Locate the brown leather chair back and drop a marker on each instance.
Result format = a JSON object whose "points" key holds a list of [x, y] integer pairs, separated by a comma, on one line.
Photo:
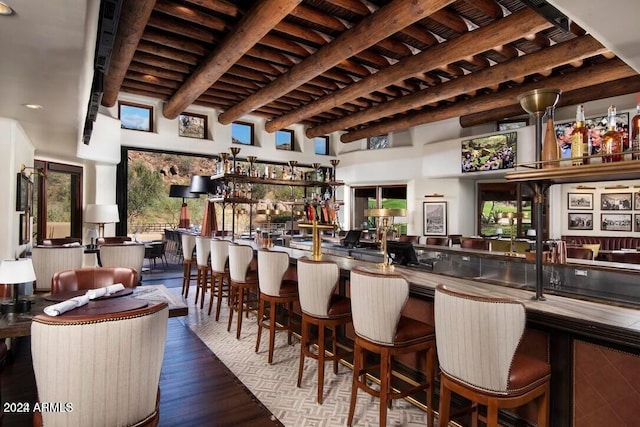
{"points": [[480, 244], [579, 253], [113, 240], [92, 278], [628, 257], [61, 241], [438, 241], [408, 238]]}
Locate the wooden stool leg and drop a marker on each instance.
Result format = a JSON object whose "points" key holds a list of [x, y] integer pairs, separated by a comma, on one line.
{"points": [[272, 328], [430, 378], [492, 414], [357, 365], [198, 278], [233, 296], [321, 354], [304, 337], [543, 408], [385, 382], [240, 309], [260, 322], [205, 277], [289, 327], [334, 348], [220, 293], [213, 286]]}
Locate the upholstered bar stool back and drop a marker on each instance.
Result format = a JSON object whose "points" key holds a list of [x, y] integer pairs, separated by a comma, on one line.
{"points": [[244, 281], [377, 300], [107, 366], [437, 241], [123, 255], [47, 260], [274, 290], [188, 244], [219, 273], [477, 344], [92, 278], [322, 307], [203, 250]]}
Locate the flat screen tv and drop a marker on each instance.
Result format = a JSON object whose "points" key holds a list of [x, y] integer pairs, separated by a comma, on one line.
{"points": [[489, 153], [352, 238], [401, 253]]}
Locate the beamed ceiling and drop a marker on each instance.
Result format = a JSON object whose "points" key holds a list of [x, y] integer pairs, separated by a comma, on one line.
{"points": [[363, 67]]}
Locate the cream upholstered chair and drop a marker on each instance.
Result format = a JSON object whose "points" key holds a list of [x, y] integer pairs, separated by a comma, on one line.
{"points": [[322, 307], [47, 260], [377, 300], [123, 255], [477, 341], [244, 281], [219, 273], [107, 366], [274, 290], [203, 250], [188, 245]]}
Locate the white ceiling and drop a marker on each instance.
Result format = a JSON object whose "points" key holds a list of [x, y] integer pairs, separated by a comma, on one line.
{"points": [[42, 47]]}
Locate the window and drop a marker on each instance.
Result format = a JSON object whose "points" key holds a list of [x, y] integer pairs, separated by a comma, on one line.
{"points": [[242, 133], [376, 142], [387, 197], [135, 116], [502, 198], [285, 140], [321, 145]]}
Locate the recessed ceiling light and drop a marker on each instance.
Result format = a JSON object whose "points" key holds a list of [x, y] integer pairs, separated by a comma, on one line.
{"points": [[34, 106], [5, 9]]}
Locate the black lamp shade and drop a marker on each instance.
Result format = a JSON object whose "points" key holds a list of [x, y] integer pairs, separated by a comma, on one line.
{"points": [[200, 184], [182, 191]]}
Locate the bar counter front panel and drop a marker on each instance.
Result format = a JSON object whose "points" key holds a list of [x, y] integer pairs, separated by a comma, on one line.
{"points": [[586, 341]]}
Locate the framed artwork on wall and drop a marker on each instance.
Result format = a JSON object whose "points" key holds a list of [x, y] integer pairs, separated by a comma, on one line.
{"points": [[24, 229], [23, 193], [489, 152], [435, 218], [616, 222], [511, 124], [580, 201], [597, 127], [580, 221], [192, 125], [615, 201], [636, 200], [637, 230], [135, 116]]}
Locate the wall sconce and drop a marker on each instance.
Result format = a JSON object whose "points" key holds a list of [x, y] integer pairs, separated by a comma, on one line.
{"points": [[617, 187], [584, 187], [34, 170], [433, 195]]}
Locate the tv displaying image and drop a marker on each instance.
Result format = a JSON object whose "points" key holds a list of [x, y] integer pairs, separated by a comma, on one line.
{"points": [[489, 152]]}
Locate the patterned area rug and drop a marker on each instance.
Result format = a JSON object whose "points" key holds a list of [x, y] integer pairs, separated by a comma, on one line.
{"points": [[275, 385]]}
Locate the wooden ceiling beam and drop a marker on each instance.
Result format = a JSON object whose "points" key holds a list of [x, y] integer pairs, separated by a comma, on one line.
{"points": [[175, 26], [179, 43], [597, 74], [251, 28], [168, 52], [386, 21], [159, 62], [182, 12], [133, 19], [146, 78], [156, 71], [221, 6], [500, 32], [450, 20], [488, 7], [353, 6], [604, 90]]}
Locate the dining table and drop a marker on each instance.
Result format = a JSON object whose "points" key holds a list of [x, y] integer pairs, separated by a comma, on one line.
{"points": [[19, 324]]}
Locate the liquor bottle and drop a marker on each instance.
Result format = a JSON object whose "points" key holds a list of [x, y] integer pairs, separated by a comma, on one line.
{"points": [[550, 153], [635, 133], [580, 149], [612, 139]]}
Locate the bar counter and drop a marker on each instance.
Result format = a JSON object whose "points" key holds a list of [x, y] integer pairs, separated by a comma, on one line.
{"points": [[587, 342]]}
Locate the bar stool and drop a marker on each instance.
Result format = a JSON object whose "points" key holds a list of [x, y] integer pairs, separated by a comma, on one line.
{"points": [[188, 245], [477, 344], [274, 290], [322, 307], [377, 300], [243, 282], [219, 273], [203, 249]]}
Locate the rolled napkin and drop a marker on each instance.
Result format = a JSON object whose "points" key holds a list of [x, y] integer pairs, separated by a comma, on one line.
{"points": [[64, 306], [107, 290]]}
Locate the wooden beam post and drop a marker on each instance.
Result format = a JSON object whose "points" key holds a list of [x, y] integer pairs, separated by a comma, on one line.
{"points": [[252, 27], [133, 19], [386, 21], [501, 32]]}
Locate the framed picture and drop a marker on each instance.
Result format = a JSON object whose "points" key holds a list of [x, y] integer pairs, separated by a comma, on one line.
{"points": [[135, 116], [284, 139], [578, 201], [580, 221], [24, 229], [435, 218], [376, 142], [489, 152], [192, 125], [242, 133], [597, 127], [615, 202], [636, 200], [616, 222], [637, 230], [23, 204], [511, 124]]}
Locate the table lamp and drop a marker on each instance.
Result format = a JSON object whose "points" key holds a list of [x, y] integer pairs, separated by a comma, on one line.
{"points": [[184, 192], [92, 234], [101, 215], [385, 214], [15, 272]]}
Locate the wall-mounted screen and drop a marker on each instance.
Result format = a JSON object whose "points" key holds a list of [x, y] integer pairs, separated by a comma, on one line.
{"points": [[489, 152]]}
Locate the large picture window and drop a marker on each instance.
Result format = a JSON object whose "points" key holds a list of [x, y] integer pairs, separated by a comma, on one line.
{"points": [[386, 197], [495, 201]]}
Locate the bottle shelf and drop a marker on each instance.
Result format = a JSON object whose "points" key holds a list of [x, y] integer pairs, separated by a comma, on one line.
{"points": [[268, 181], [614, 171]]}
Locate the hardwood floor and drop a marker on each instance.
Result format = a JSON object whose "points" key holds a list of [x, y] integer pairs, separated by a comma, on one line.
{"points": [[196, 389]]}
